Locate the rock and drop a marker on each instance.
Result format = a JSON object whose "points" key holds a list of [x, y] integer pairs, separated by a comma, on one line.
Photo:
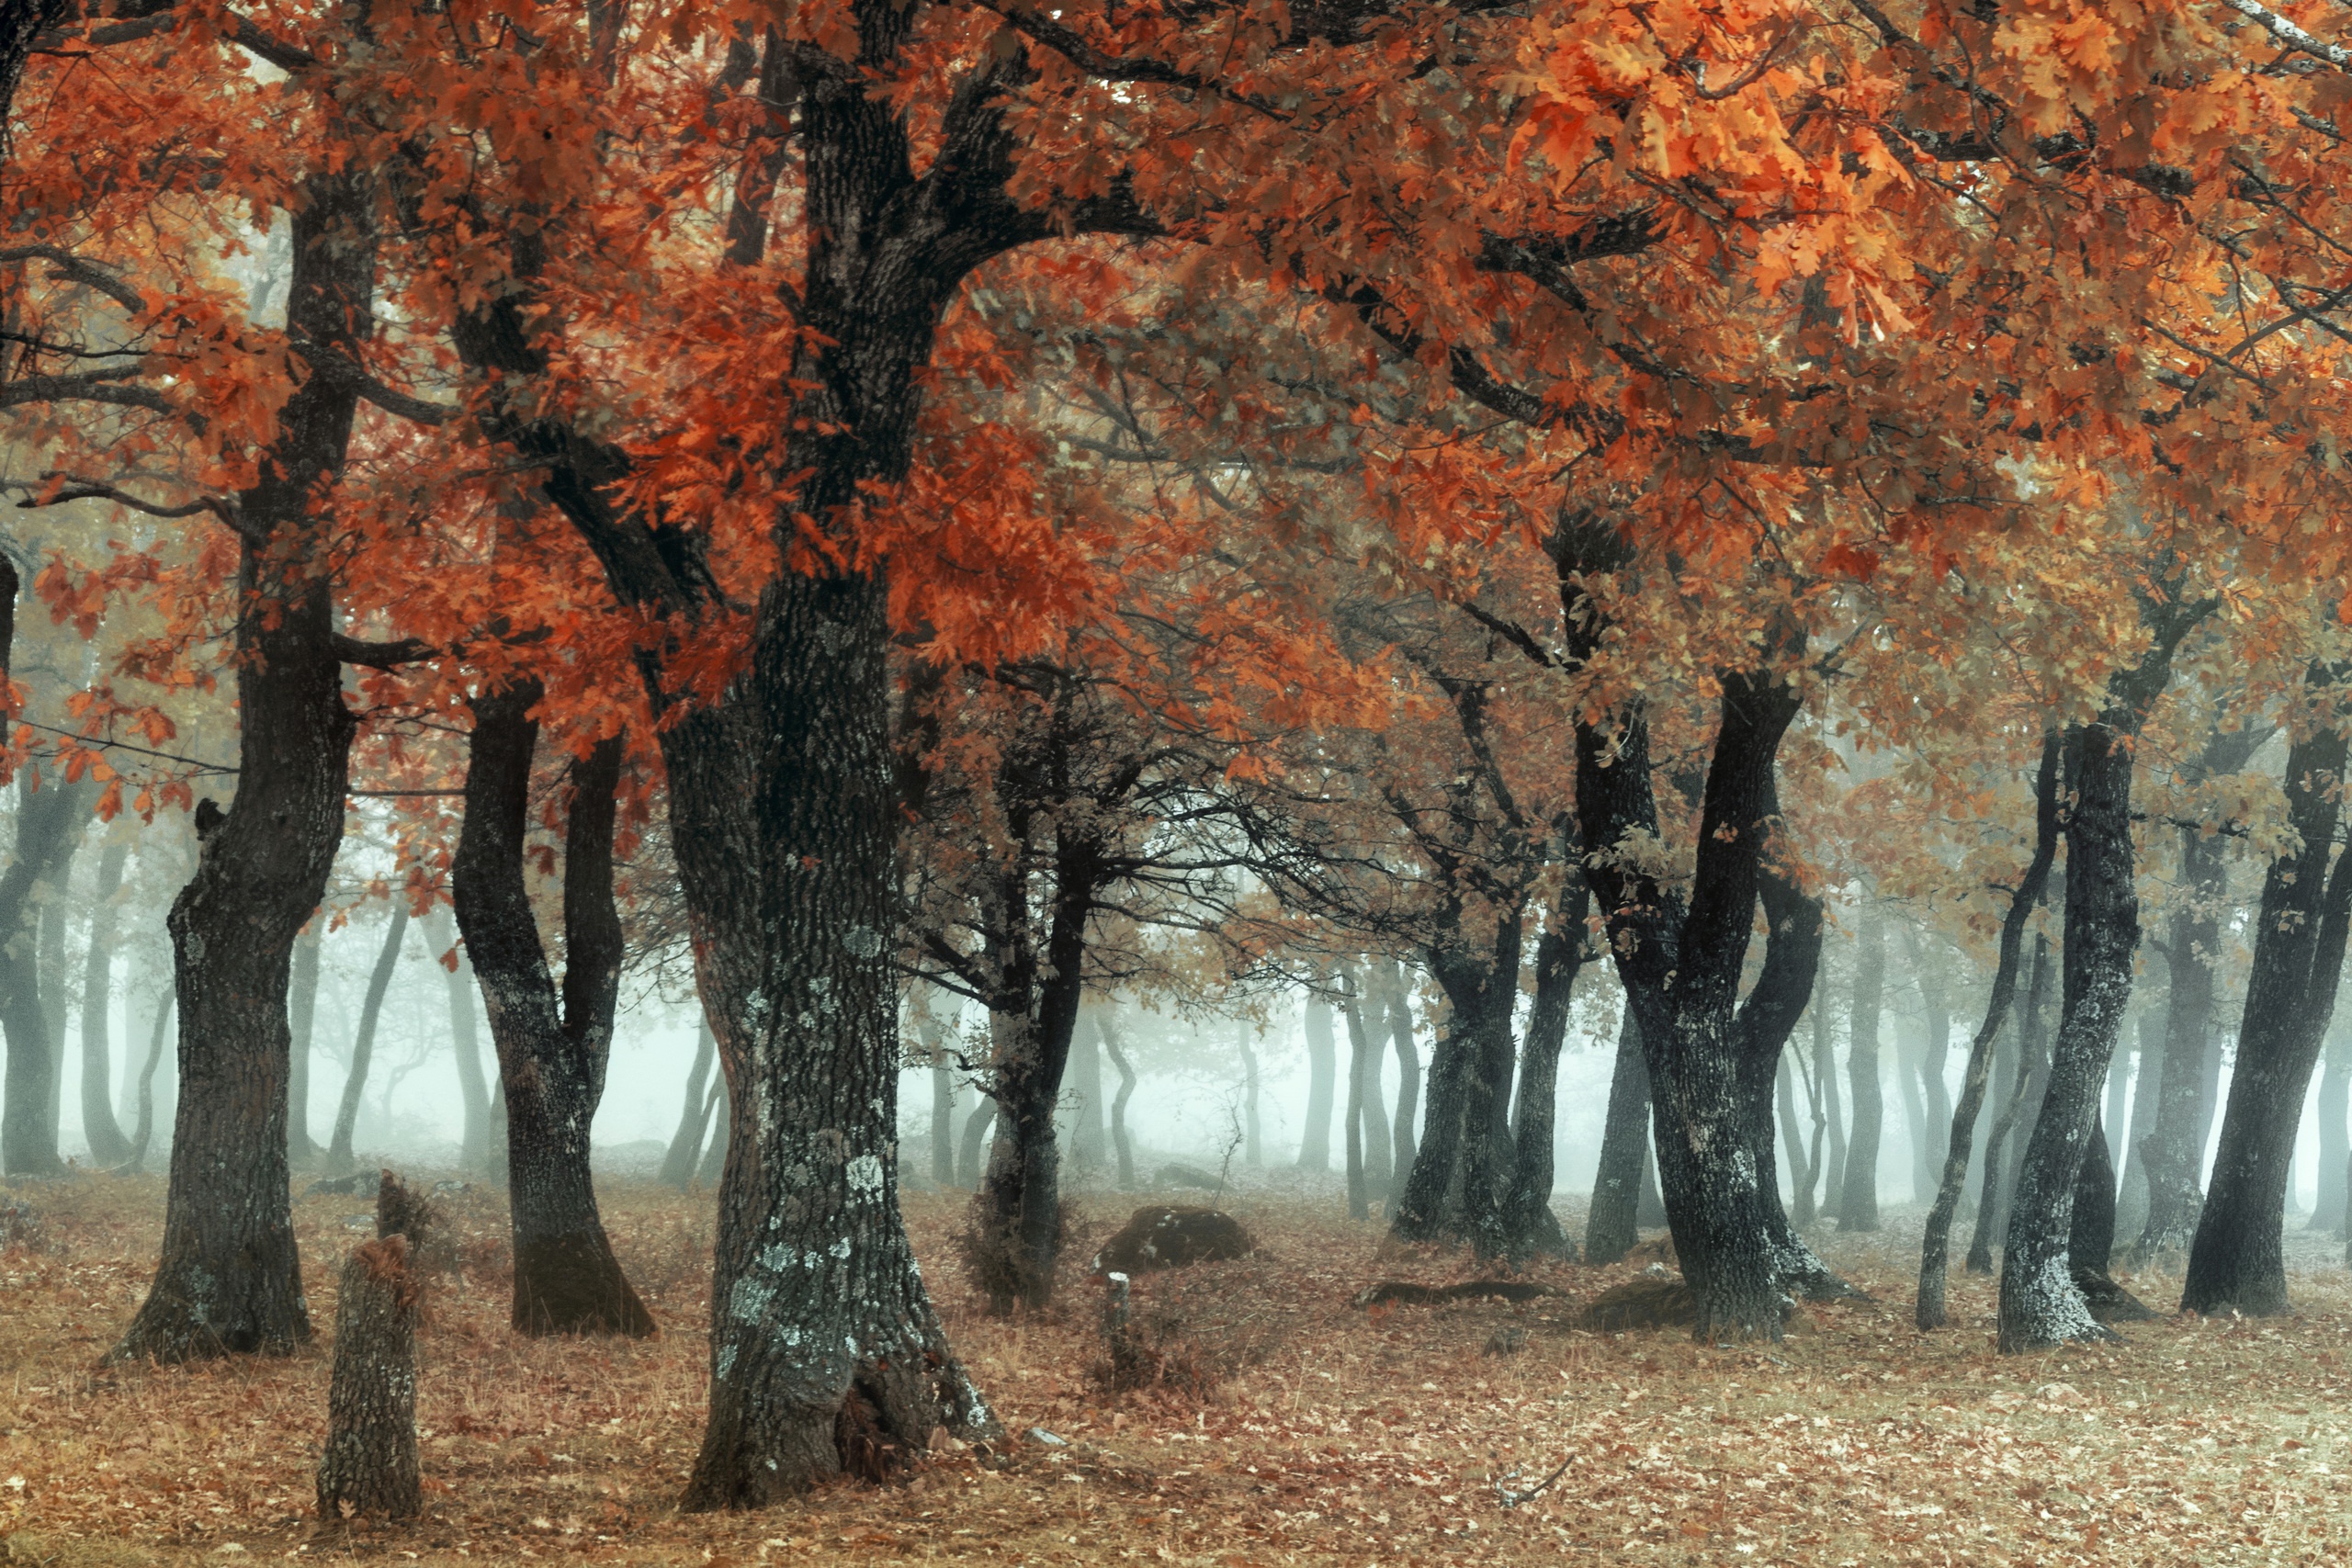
{"points": [[1164, 1237], [1186, 1175], [343, 1186], [1401, 1292]]}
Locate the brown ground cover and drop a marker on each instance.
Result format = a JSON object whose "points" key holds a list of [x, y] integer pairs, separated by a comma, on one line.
{"points": [[1332, 1435]]}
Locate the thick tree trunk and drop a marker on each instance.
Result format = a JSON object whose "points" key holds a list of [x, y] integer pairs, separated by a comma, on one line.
{"points": [[1252, 1148], [1611, 1229], [104, 1135], [1931, 1311], [459, 982], [2090, 1240], [1403, 1148], [1120, 1143], [303, 1152], [1529, 1226], [2335, 1145], [1322, 1067], [1858, 1200], [158, 1037], [685, 1152], [552, 1047], [2040, 1305], [2237, 1259], [1456, 1189], [370, 1465], [51, 815], [340, 1157]]}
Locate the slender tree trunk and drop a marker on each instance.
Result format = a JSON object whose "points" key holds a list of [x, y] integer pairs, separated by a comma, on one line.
{"points": [[1253, 1151], [1931, 1311], [2335, 1145], [1909, 1066], [2040, 1303], [104, 1135], [1529, 1226], [944, 1095], [1610, 1230], [1934, 1060], [1858, 1200], [1993, 1204], [1784, 1093], [1085, 1075], [50, 814], [1405, 1150], [713, 1169], [459, 982], [2091, 1237], [303, 1152], [158, 1037], [1359, 1187], [1818, 1086], [2173, 1149], [1322, 1067], [552, 1046], [2113, 1117], [1832, 1191], [2131, 1201], [340, 1157], [2237, 1259], [370, 1465], [975, 1131], [685, 1152], [56, 999], [1362, 1007], [1119, 1141]]}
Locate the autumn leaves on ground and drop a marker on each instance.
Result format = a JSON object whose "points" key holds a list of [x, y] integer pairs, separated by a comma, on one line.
{"points": [[1335, 1435]]}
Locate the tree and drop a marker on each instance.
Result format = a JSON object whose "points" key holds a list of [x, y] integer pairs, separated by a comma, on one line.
{"points": [[48, 822], [1858, 1202], [340, 1157], [108, 1146]]}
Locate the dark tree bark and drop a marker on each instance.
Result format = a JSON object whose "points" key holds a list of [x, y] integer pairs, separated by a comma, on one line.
{"points": [[1367, 1043], [1404, 1144], [1322, 1067], [2090, 1240], [459, 982], [50, 818], [1252, 1149], [976, 1132], [21, 25], [2040, 1305], [1610, 1227], [2335, 1145], [1119, 1141], [2237, 1259], [303, 1152], [1935, 1256], [1456, 1189], [142, 1137], [1858, 1201], [553, 1045], [229, 1278], [2018, 1085], [1529, 1226], [685, 1152], [370, 1465], [108, 1146], [340, 1157]]}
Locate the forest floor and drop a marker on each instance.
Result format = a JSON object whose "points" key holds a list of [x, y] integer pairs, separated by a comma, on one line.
{"points": [[1333, 1435]]}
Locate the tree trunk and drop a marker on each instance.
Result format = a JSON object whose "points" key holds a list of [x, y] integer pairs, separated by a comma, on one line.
{"points": [[2335, 1145], [158, 1037], [459, 982], [1085, 1075], [340, 1157], [1252, 1149], [370, 1466], [1858, 1200], [303, 1152], [1455, 1190], [51, 815], [1993, 1203], [1931, 1311], [1784, 1092], [552, 1047], [1611, 1229], [1404, 1146], [2237, 1259], [944, 1095], [2091, 1237], [1322, 1067], [107, 1144], [56, 1000], [2039, 1305], [685, 1152], [1119, 1142], [1362, 1008], [1909, 1064], [1359, 1188], [1934, 1059], [2131, 1201], [1530, 1227], [975, 1131], [2112, 1119], [1818, 1075], [1833, 1188], [713, 1169]]}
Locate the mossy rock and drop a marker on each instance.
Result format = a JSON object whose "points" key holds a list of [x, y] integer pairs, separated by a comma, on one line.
{"points": [[1161, 1235]]}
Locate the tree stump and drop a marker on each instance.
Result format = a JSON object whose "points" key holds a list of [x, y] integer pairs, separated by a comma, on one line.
{"points": [[370, 1466]]}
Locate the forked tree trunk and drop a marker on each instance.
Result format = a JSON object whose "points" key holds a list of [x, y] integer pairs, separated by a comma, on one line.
{"points": [[459, 982], [1322, 1067], [303, 1151], [1816, 1072], [50, 816], [1930, 1312], [159, 1036], [1611, 1227], [1858, 1201], [1404, 1147], [340, 1157], [552, 1047], [2040, 1305], [1456, 1189], [2237, 1259], [108, 1146], [369, 1468], [685, 1152], [1792, 1158]]}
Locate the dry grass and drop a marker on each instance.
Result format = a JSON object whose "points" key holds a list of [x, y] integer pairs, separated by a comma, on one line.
{"points": [[1340, 1436]]}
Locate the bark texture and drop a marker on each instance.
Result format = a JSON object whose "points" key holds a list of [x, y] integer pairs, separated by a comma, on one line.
{"points": [[369, 1468], [1993, 1203], [340, 1157], [553, 1045], [1858, 1202], [1528, 1227], [50, 818], [1404, 1145]]}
